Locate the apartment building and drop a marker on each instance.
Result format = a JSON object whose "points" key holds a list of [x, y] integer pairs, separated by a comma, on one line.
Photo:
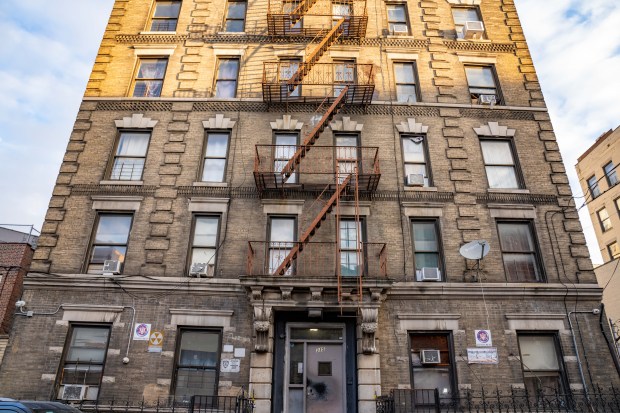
{"points": [[270, 197]]}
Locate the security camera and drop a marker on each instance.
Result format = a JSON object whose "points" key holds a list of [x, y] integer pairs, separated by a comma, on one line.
{"points": [[596, 311], [20, 304]]}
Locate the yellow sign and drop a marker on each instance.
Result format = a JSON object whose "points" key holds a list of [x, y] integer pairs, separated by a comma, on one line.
{"points": [[156, 342]]}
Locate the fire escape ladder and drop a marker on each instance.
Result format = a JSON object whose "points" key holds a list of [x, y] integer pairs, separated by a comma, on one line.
{"points": [[314, 56], [314, 134], [311, 230], [300, 10]]}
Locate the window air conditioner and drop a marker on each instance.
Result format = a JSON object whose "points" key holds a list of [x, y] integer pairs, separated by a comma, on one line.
{"points": [[111, 267], [429, 274], [487, 100], [473, 30], [415, 180], [74, 392], [400, 29], [200, 269], [430, 356]]}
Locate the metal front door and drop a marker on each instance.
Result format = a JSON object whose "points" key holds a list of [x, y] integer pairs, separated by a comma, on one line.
{"points": [[315, 371]]}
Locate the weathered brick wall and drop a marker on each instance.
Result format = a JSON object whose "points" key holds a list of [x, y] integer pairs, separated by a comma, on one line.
{"points": [[14, 264]]}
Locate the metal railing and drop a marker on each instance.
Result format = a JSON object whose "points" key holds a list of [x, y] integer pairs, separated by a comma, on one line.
{"points": [[317, 259], [126, 172], [196, 404], [596, 400]]}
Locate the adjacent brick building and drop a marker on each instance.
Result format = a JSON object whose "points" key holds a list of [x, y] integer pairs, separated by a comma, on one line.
{"points": [[281, 189]]}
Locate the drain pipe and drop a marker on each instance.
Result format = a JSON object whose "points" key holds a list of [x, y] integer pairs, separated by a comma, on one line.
{"points": [[612, 349], [594, 311]]}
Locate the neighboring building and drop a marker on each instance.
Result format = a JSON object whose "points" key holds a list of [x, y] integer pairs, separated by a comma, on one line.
{"points": [[15, 258], [11, 235], [599, 177], [288, 212]]}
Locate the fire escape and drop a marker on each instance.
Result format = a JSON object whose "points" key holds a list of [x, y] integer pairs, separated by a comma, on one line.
{"points": [[340, 173]]}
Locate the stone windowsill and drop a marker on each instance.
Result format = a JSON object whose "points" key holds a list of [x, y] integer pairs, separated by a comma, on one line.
{"points": [[211, 184], [507, 191], [421, 188], [157, 32]]}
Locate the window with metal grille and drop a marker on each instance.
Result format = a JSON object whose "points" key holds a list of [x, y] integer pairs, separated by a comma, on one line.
{"points": [[165, 16], [129, 156]]}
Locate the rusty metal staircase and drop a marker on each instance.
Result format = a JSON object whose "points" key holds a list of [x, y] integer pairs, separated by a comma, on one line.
{"points": [[302, 8], [313, 57], [311, 230], [314, 134]]}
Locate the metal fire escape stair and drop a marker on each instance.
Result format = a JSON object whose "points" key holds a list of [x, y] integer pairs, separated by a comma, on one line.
{"points": [[313, 57], [302, 8], [316, 224], [314, 134]]}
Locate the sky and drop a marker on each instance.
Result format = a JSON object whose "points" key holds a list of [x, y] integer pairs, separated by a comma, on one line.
{"points": [[50, 46]]}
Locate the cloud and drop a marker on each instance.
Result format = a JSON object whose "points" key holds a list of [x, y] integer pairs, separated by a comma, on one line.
{"points": [[574, 45]]}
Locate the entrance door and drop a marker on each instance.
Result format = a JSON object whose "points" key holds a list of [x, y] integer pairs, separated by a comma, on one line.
{"points": [[315, 371]]}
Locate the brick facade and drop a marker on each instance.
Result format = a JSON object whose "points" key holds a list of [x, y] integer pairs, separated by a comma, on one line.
{"points": [[155, 281]]}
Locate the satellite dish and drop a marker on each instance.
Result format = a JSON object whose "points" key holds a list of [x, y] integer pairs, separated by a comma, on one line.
{"points": [[475, 250]]}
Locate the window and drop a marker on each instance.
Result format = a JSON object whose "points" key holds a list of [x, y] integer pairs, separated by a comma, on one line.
{"points": [[344, 74], [165, 16], [340, 10], [284, 149], [288, 6], [282, 236], [109, 241], [235, 16], [593, 187], [405, 75], [462, 15], [351, 247], [541, 363], [197, 363], [614, 250], [84, 358], [499, 163], [426, 245], [150, 78], [604, 220], [617, 201], [519, 251], [347, 155], [216, 150], [129, 156], [397, 19], [482, 80], [204, 242], [432, 369], [288, 67], [610, 174], [415, 159], [226, 81]]}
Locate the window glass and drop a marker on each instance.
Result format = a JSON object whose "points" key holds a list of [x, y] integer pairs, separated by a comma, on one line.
{"points": [[130, 156], [397, 19], [285, 148], [542, 371], [614, 250], [405, 82], [215, 157], [462, 15], [604, 220], [593, 186], [436, 375], [165, 16], [226, 84], [425, 244], [110, 240], [519, 252], [197, 362], [499, 164], [235, 16], [204, 243], [611, 174], [481, 81], [350, 247], [281, 238], [84, 358], [150, 77]]}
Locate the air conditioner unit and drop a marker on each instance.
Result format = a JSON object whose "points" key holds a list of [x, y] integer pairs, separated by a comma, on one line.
{"points": [[200, 269], [429, 274], [400, 29], [487, 100], [74, 392], [430, 356], [473, 30], [415, 180], [111, 267]]}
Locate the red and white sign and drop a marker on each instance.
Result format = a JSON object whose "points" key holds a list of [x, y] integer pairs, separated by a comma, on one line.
{"points": [[141, 331]]}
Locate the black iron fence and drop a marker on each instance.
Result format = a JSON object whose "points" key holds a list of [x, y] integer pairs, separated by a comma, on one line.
{"points": [[196, 404], [596, 400]]}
